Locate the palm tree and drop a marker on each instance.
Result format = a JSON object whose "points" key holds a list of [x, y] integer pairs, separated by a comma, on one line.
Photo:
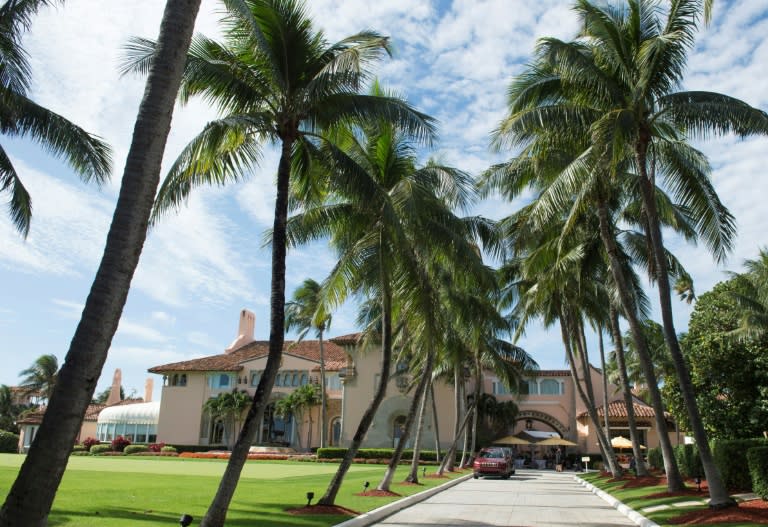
{"points": [[274, 78], [305, 312], [751, 297], [34, 489], [228, 407], [40, 378], [20, 117], [379, 207], [626, 69]]}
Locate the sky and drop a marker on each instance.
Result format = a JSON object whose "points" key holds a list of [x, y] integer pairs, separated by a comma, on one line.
{"points": [[200, 267]]}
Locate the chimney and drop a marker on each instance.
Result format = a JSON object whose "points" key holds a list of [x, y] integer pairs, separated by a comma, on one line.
{"points": [[114, 393], [244, 331], [149, 385]]}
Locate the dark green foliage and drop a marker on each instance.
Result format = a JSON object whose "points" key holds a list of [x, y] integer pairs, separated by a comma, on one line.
{"points": [[167, 449], [375, 453], [729, 375], [119, 443], [731, 458], [9, 442], [656, 458], [757, 459], [195, 448], [78, 448], [688, 461], [135, 449]]}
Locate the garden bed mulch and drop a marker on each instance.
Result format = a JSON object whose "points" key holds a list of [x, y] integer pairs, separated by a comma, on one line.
{"points": [[376, 493]]}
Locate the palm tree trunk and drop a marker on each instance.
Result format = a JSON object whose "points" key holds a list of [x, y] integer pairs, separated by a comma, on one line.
{"points": [[451, 453], [413, 474], [718, 494], [386, 365], [627, 392], [434, 420], [217, 511], [465, 443], [601, 347], [410, 419], [323, 400], [450, 461], [477, 392], [31, 496], [674, 479], [574, 328]]}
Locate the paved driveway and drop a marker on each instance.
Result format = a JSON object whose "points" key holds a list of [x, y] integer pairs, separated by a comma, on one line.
{"points": [[529, 498]]}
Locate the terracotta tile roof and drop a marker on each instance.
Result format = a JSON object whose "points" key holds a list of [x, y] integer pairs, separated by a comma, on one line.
{"points": [[335, 357], [352, 338], [549, 373], [33, 417], [617, 409], [92, 412]]}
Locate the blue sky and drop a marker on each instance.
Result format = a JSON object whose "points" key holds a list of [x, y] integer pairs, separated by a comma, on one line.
{"points": [[201, 266]]}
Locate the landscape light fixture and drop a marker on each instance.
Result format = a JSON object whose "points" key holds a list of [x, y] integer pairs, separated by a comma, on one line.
{"points": [[366, 485], [185, 520], [424, 472], [310, 495], [697, 479]]}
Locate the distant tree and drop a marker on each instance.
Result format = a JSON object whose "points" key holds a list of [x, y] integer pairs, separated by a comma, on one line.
{"points": [[229, 407], [296, 405], [9, 411], [729, 376], [104, 395], [40, 378]]}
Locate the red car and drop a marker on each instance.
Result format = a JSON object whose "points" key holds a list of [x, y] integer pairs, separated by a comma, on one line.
{"points": [[493, 462]]}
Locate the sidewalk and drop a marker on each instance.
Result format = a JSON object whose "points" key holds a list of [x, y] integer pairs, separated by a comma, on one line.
{"points": [[530, 498]]}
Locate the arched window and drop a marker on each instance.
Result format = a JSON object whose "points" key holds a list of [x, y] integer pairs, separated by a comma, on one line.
{"points": [[304, 379], [183, 379], [278, 381], [175, 379], [256, 377], [287, 379], [335, 431], [217, 432], [295, 379]]}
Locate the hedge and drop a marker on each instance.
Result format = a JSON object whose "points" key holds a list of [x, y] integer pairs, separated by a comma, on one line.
{"points": [[9, 442], [377, 453], [688, 461], [655, 458], [135, 449], [197, 448], [100, 449], [730, 456], [757, 459]]}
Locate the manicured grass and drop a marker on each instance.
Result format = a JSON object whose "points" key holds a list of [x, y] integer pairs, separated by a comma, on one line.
{"points": [[637, 500], [143, 492]]}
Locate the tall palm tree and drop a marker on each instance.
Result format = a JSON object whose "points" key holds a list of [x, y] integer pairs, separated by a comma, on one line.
{"points": [[305, 312], [627, 68], [20, 117], [40, 378], [229, 407], [751, 297], [273, 78], [380, 205], [34, 489]]}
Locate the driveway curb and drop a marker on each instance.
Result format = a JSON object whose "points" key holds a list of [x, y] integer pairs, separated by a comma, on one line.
{"points": [[630, 513], [390, 508]]}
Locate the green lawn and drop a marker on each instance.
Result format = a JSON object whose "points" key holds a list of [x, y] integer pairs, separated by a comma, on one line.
{"points": [[143, 492]]}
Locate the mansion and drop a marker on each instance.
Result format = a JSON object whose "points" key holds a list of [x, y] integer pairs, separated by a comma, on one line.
{"points": [[550, 405]]}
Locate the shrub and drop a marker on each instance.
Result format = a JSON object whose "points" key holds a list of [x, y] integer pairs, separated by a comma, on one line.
{"points": [[78, 448], [757, 459], [656, 458], [134, 449], [81, 452], [88, 442], [156, 447], [198, 448], [119, 443], [168, 449], [9, 442], [730, 456], [99, 449], [688, 461]]}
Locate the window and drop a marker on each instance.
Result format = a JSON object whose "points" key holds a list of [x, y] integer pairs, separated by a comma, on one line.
{"points": [[255, 378], [499, 388], [533, 387], [287, 379], [218, 381], [304, 379], [333, 381], [295, 379], [398, 428], [183, 379], [550, 387], [335, 431]]}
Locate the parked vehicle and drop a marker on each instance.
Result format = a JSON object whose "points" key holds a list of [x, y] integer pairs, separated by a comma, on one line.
{"points": [[493, 462]]}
